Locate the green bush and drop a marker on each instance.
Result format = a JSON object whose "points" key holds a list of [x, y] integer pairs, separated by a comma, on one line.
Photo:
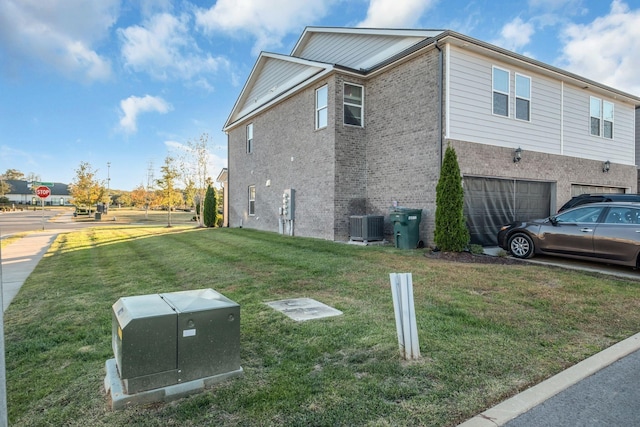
{"points": [[210, 208], [451, 233]]}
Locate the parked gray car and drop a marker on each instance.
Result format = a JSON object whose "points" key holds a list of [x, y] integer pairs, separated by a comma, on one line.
{"points": [[605, 232]]}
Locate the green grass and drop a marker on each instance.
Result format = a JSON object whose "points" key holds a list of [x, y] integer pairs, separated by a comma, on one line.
{"points": [[486, 331]]}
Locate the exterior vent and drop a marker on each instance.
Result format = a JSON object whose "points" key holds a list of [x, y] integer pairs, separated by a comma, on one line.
{"points": [[366, 227]]}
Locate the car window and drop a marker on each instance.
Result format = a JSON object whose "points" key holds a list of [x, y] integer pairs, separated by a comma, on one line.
{"points": [[623, 215], [582, 214]]}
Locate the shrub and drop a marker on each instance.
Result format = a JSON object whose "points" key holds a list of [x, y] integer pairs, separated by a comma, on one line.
{"points": [[451, 233], [210, 208]]}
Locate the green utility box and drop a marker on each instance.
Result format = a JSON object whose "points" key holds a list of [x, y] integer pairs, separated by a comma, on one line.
{"points": [[165, 339], [406, 227]]}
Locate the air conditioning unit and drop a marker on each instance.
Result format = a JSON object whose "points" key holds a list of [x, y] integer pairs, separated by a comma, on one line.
{"points": [[366, 227]]}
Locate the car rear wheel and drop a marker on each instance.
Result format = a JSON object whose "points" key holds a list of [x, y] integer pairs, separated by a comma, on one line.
{"points": [[521, 246]]}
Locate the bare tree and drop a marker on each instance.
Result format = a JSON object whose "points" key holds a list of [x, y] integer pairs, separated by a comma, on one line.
{"points": [[195, 174]]}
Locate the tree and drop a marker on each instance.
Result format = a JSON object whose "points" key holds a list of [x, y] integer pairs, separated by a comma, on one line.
{"points": [[170, 196], [13, 174], [139, 196], [451, 233], [195, 175], [210, 207], [85, 189]]}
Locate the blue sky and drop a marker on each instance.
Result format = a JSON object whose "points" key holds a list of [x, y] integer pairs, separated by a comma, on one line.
{"points": [[130, 82]]}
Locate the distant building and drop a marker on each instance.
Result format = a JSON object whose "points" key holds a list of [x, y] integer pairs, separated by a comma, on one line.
{"points": [[21, 193]]}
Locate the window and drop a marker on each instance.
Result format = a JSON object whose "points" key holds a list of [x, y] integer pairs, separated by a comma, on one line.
{"points": [[601, 117], [607, 119], [321, 107], [252, 200], [587, 214], [353, 97], [500, 92], [250, 138], [595, 116], [523, 97]]}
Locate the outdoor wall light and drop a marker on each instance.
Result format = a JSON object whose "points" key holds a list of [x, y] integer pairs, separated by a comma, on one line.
{"points": [[606, 166], [517, 155]]}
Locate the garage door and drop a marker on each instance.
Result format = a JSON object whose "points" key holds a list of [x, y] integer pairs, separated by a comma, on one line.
{"points": [[490, 203]]}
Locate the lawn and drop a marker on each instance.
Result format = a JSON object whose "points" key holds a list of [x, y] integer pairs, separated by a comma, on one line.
{"points": [[486, 331]]}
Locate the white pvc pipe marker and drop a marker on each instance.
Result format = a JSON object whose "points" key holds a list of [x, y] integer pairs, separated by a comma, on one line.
{"points": [[402, 292]]}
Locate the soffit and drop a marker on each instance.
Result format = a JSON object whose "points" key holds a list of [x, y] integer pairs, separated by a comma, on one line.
{"points": [[358, 49]]}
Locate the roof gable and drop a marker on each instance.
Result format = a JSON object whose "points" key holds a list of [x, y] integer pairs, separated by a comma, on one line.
{"points": [[272, 76], [356, 48]]}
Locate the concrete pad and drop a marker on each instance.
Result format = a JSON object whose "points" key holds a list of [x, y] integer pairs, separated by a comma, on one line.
{"points": [[121, 400], [301, 309]]}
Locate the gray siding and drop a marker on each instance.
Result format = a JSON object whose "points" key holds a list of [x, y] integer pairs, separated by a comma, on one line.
{"points": [[578, 141], [470, 106]]}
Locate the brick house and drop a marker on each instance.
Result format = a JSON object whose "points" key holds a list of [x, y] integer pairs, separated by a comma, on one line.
{"points": [[355, 120]]}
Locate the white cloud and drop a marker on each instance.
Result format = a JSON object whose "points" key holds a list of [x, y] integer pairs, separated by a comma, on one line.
{"points": [[133, 106], [515, 35], [59, 33], [394, 13], [606, 50], [164, 48], [266, 20]]}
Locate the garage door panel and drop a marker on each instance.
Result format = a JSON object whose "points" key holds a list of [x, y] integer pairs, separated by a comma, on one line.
{"points": [[492, 202]]}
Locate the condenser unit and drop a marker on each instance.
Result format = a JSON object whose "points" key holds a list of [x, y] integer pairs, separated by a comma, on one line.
{"points": [[366, 228]]}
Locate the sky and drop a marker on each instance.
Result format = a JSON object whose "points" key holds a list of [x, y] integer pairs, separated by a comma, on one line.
{"points": [[122, 85]]}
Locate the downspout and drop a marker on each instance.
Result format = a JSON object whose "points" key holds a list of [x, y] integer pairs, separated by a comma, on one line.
{"points": [[440, 107]]}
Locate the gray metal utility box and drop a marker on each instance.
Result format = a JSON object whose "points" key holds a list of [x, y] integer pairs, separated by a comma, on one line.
{"points": [[164, 339]]}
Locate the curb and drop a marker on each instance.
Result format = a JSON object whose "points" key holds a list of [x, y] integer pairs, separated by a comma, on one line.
{"points": [[528, 399]]}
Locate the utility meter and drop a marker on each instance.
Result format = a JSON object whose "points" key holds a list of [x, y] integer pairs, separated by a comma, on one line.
{"points": [[288, 203]]}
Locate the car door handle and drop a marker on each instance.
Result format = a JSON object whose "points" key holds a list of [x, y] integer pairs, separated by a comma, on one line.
{"points": [[586, 230]]}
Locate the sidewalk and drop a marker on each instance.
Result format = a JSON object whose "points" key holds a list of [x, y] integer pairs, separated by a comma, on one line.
{"points": [[19, 259]]}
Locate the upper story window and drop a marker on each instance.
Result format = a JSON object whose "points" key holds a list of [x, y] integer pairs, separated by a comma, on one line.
{"points": [[601, 117], [523, 97], [500, 92], [252, 200], [321, 107], [353, 103], [596, 113], [250, 138], [607, 119]]}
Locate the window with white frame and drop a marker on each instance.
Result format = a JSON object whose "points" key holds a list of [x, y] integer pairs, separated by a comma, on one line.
{"points": [[596, 113], [321, 107], [601, 117], [607, 119], [353, 103], [252, 200], [523, 97], [250, 138], [500, 92]]}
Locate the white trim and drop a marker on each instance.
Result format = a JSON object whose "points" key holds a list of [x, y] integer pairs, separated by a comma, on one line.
{"points": [[507, 93], [447, 129], [515, 93], [345, 103], [325, 107]]}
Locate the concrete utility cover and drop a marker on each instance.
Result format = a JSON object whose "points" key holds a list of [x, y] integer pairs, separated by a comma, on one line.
{"points": [[301, 309]]}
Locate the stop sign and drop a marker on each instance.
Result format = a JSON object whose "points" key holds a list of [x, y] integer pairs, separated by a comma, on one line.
{"points": [[43, 192]]}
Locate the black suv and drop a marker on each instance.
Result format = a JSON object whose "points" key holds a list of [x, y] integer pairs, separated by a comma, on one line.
{"points": [[583, 199]]}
